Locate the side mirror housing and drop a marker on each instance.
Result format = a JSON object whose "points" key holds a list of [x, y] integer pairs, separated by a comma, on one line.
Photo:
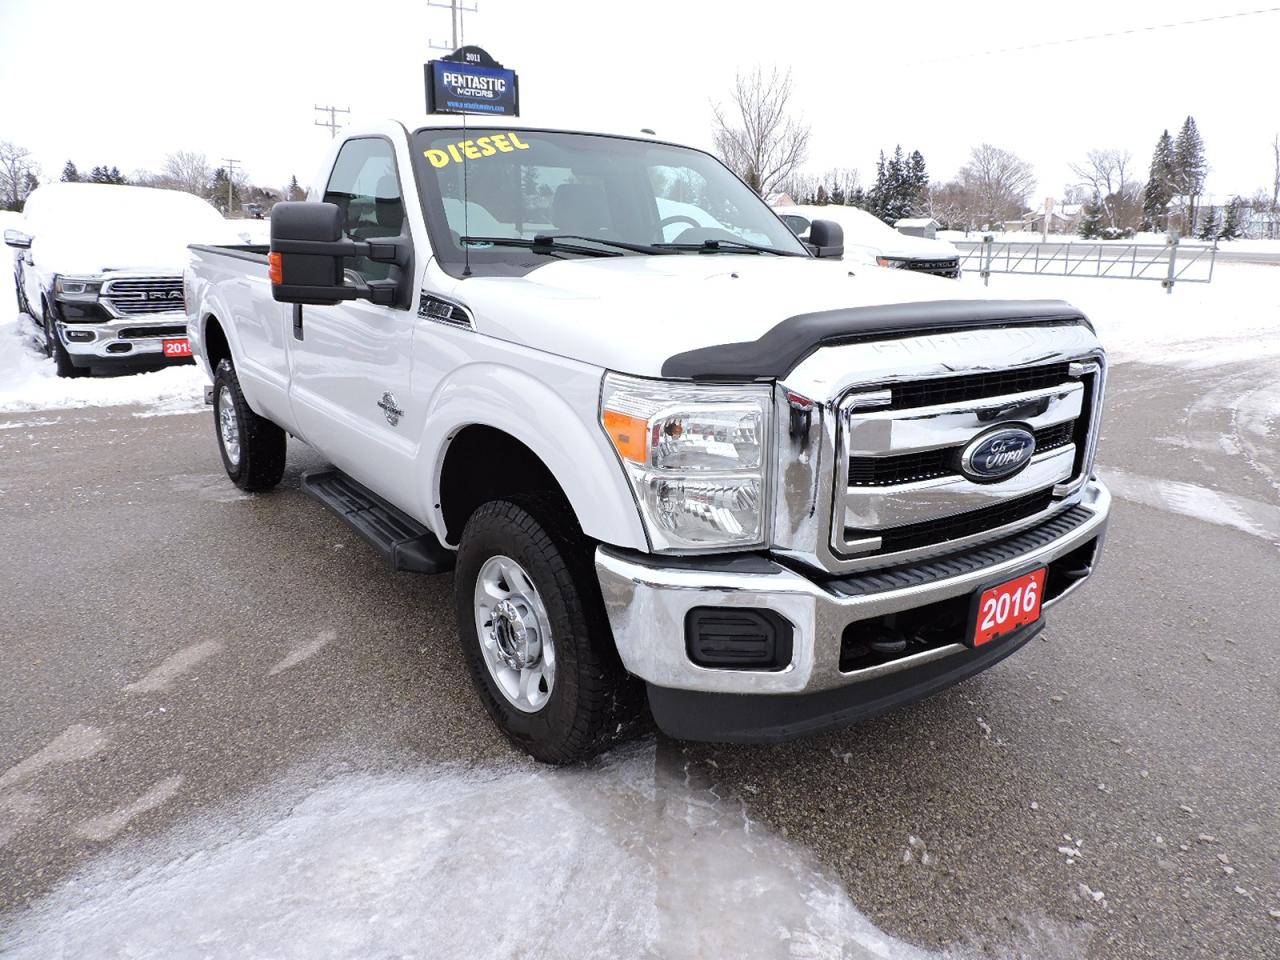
{"points": [[298, 276], [826, 239], [17, 239], [307, 254]]}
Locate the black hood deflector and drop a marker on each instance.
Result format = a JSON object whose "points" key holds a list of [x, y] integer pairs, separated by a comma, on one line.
{"points": [[781, 349]]}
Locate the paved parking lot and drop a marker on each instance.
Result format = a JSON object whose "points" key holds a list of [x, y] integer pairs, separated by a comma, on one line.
{"points": [[173, 648]]}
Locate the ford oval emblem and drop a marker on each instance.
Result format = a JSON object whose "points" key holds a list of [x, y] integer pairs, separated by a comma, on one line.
{"points": [[997, 454]]}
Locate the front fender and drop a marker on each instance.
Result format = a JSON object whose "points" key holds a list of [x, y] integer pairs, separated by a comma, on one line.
{"points": [[559, 425]]}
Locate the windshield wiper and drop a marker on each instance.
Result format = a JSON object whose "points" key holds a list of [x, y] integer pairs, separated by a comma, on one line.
{"points": [[541, 245], [728, 246], [555, 238]]}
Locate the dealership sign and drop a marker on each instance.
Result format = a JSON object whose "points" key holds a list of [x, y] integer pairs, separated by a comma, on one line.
{"points": [[471, 81]]}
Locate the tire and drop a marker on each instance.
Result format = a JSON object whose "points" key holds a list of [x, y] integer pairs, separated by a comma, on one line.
{"points": [[590, 698], [252, 447], [53, 348]]}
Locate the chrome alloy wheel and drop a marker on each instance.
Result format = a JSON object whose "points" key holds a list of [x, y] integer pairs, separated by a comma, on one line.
{"points": [[515, 634], [229, 426]]}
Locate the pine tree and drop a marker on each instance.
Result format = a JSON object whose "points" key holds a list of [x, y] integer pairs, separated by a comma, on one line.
{"points": [[70, 174], [294, 192], [917, 182], [1189, 166], [1231, 220], [1209, 225], [1091, 221], [1159, 189], [821, 199]]}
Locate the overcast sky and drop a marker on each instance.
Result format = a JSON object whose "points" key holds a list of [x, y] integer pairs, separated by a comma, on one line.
{"points": [[126, 82]]}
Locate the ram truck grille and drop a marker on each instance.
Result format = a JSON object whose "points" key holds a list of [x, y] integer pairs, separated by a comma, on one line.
{"points": [[901, 490], [138, 296]]}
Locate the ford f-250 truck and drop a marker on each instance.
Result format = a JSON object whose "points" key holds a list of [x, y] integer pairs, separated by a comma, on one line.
{"points": [[771, 490]]}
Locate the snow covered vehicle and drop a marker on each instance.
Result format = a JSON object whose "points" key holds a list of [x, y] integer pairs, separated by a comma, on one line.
{"points": [[99, 267], [889, 248], [668, 455]]}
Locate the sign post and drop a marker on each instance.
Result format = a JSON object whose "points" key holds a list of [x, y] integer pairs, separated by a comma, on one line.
{"points": [[470, 81]]}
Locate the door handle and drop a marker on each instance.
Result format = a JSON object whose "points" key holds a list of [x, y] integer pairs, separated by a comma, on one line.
{"points": [[297, 321]]}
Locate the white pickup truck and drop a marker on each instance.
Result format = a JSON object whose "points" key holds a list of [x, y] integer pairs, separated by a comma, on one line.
{"points": [[712, 467]]}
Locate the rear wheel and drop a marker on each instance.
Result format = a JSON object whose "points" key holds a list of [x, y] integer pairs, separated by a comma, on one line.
{"points": [[252, 447], [534, 633]]}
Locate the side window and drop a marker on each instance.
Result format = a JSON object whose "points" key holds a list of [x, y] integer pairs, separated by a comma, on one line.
{"points": [[366, 189]]}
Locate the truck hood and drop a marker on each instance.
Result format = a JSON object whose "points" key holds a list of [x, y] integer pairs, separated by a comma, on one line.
{"points": [[630, 314]]}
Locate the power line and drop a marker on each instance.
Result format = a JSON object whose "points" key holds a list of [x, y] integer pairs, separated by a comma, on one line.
{"points": [[231, 179], [332, 123], [1130, 31], [456, 12]]}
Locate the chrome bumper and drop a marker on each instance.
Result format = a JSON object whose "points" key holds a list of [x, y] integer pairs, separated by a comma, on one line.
{"points": [[108, 333], [647, 605]]}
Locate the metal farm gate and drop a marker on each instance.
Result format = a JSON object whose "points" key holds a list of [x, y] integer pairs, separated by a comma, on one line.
{"points": [[1168, 263]]}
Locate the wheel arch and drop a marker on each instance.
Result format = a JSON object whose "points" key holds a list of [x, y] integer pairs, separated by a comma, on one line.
{"points": [[480, 443]]}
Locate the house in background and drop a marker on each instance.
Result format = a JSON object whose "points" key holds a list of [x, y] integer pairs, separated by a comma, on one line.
{"points": [[926, 227], [1064, 218]]}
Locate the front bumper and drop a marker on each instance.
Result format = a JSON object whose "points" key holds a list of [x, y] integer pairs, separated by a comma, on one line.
{"points": [[648, 600], [123, 339]]}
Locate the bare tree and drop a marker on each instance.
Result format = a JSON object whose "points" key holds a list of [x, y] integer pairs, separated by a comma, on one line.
{"points": [[999, 182], [756, 134], [18, 175], [186, 170], [1105, 175], [950, 204]]}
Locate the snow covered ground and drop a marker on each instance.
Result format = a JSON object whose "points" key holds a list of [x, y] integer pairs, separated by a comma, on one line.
{"points": [[626, 861], [1236, 317]]}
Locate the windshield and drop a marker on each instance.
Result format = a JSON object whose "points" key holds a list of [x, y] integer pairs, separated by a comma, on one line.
{"points": [[635, 196]]}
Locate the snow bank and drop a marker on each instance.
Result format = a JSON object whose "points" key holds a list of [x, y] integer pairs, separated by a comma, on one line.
{"points": [[1236, 317], [28, 381], [514, 860]]}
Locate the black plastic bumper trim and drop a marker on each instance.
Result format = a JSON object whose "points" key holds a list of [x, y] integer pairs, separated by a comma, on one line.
{"points": [[777, 718]]}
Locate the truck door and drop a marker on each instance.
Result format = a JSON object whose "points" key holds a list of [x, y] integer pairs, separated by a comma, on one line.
{"points": [[350, 363]]}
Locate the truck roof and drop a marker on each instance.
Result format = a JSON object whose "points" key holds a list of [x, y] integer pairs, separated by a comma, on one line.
{"points": [[452, 121]]}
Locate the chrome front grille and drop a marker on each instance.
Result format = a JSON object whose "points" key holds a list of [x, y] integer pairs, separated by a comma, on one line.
{"points": [[136, 296], [900, 493]]}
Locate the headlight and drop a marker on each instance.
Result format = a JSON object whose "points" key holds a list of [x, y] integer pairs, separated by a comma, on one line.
{"points": [[77, 289], [696, 457], [898, 262]]}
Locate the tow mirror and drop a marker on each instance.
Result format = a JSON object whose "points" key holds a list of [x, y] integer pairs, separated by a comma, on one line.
{"points": [[17, 239], [826, 239], [307, 253]]}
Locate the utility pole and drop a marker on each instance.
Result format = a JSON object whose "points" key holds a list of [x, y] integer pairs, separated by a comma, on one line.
{"points": [[456, 12], [332, 122], [231, 179]]}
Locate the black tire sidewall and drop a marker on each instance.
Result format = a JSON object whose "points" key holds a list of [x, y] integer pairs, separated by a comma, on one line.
{"points": [[225, 376], [547, 733]]}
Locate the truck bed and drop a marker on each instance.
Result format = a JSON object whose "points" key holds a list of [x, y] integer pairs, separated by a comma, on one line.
{"points": [[255, 252]]}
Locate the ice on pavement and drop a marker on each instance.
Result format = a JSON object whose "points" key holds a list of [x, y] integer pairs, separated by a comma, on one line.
{"points": [[512, 860], [1201, 503]]}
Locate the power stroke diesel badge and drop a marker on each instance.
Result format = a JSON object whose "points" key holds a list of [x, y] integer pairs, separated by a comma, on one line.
{"points": [[388, 406]]}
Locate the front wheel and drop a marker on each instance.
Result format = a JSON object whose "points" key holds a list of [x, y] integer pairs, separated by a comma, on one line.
{"points": [[53, 348], [534, 634], [252, 447]]}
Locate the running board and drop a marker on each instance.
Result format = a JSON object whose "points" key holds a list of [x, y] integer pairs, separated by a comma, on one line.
{"points": [[407, 544]]}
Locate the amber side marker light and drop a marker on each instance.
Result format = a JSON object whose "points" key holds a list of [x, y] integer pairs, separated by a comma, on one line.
{"points": [[275, 268], [628, 435]]}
